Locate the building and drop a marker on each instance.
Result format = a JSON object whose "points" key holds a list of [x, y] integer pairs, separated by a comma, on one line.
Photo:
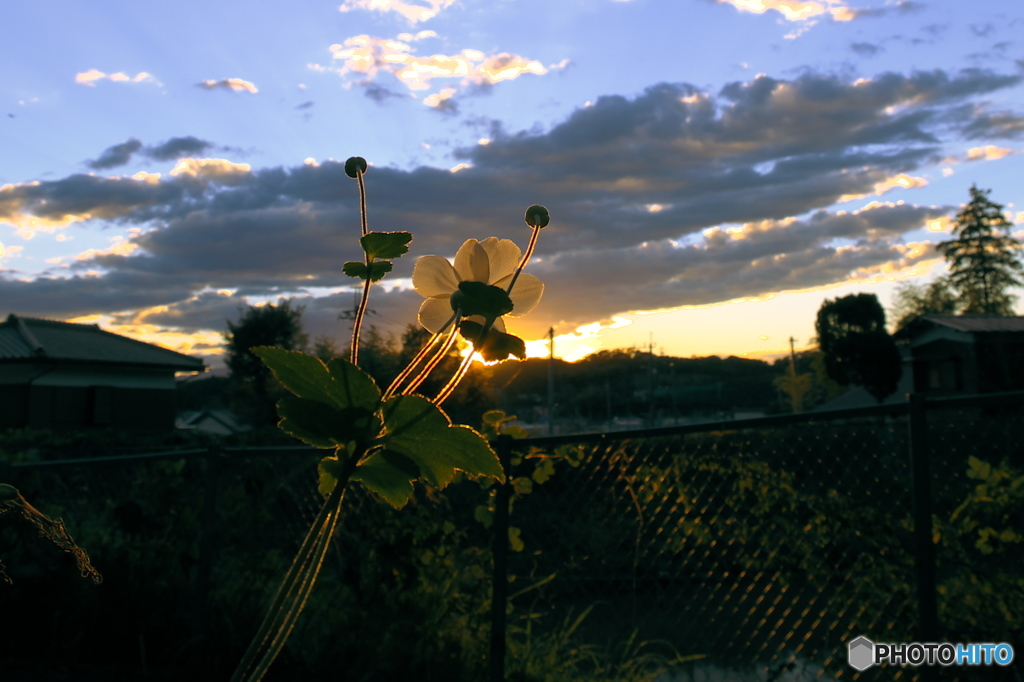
{"points": [[58, 375], [963, 354]]}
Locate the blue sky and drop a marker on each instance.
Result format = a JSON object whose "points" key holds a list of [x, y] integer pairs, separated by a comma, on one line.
{"points": [[714, 169]]}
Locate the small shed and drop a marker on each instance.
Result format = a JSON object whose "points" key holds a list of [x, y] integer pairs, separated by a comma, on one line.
{"points": [[964, 354], [59, 375]]}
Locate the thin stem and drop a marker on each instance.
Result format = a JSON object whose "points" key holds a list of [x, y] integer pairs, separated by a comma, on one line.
{"points": [[525, 260], [434, 361], [357, 323], [459, 375], [411, 367], [296, 587], [449, 388], [393, 388], [362, 204]]}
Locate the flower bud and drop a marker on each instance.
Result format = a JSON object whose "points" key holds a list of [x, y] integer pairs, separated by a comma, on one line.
{"points": [[537, 216], [354, 166]]}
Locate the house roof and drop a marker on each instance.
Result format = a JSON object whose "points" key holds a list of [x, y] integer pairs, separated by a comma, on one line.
{"points": [[964, 323], [27, 338]]}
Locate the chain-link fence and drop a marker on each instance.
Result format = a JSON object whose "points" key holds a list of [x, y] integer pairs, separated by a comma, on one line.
{"points": [[764, 544]]}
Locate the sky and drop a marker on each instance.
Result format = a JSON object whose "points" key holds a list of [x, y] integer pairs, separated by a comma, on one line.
{"points": [[714, 169]]}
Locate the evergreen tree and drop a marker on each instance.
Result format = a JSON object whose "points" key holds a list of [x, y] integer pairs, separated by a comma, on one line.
{"points": [[981, 257]]}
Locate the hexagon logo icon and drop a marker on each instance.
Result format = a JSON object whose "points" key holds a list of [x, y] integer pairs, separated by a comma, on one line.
{"points": [[862, 653]]}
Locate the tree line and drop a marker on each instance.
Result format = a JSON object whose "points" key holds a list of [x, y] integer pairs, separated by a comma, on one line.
{"points": [[854, 347]]}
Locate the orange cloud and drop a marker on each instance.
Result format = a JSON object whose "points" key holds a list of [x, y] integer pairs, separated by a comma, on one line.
{"points": [[90, 77]]}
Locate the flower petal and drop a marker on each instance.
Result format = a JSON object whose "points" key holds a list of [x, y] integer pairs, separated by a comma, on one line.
{"points": [[503, 256], [525, 294], [434, 276], [434, 313], [471, 262]]}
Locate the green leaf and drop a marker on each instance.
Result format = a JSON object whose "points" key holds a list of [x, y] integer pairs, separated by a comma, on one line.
{"points": [[330, 470], [418, 429], [497, 346], [352, 386], [515, 539], [374, 273], [386, 244], [390, 475], [484, 515], [324, 426], [343, 385], [523, 486], [477, 298]]}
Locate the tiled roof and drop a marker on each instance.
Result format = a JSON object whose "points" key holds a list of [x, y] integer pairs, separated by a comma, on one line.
{"points": [[24, 338], [977, 323]]}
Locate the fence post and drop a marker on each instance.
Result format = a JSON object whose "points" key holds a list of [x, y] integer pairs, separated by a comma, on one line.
{"points": [[499, 576], [920, 490], [207, 534]]}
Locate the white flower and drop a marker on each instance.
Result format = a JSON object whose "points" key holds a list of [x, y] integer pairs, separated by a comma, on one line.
{"points": [[491, 262]]}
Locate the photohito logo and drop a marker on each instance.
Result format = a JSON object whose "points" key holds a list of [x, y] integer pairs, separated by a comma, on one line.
{"points": [[863, 653]]}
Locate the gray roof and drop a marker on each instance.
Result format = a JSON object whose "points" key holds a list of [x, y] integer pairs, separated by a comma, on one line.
{"points": [[966, 323], [27, 338]]}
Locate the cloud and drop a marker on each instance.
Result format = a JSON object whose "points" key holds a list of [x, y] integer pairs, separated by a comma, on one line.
{"points": [[174, 148], [674, 197], [92, 76], [118, 155], [1002, 124], [865, 49], [367, 58], [988, 153], [233, 84], [413, 11], [178, 147], [791, 10]]}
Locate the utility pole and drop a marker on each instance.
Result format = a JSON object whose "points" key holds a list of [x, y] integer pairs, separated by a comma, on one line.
{"points": [[551, 381], [792, 356], [650, 380]]}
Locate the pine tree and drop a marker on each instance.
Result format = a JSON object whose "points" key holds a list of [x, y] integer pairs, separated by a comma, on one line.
{"points": [[981, 257]]}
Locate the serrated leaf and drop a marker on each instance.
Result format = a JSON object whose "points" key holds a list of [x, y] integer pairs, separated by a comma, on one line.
{"points": [[418, 429], [308, 377], [386, 244], [324, 426], [374, 273], [352, 386], [390, 475]]}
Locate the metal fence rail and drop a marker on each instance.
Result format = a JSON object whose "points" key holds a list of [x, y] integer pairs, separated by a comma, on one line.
{"points": [[761, 542]]}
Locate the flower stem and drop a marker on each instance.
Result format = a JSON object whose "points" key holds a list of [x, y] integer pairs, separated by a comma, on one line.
{"points": [[296, 587], [525, 260], [440, 355], [362, 205], [357, 323], [459, 375], [423, 352]]}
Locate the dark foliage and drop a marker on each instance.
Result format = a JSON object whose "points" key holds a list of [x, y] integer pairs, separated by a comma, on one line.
{"points": [[857, 348]]}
